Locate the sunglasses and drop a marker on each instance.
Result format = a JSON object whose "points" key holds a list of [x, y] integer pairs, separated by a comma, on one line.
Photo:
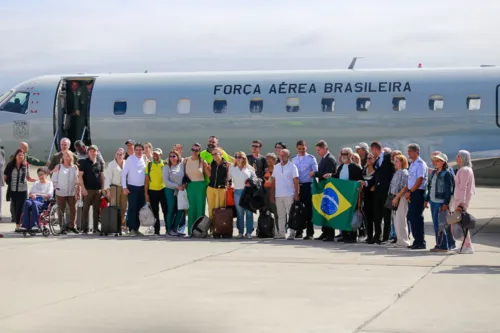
{"points": [[119, 154], [255, 146], [215, 154], [195, 150], [344, 154], [238, 157], [41, 174], [278, 147], [172, 156]]}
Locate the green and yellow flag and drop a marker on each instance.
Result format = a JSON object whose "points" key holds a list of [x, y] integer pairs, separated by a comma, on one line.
{"points": [[334, 201]]}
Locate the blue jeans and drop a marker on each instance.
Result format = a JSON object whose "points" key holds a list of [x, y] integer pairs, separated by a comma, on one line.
{"points": [[31, 212], [444, 239], [416, 217], [392, 235], [241, 213]]}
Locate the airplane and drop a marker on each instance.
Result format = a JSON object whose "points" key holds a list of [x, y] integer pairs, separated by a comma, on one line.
{"points": [[444, 109]]}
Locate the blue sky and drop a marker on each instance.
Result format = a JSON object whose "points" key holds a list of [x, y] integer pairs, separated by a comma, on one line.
{"points": [[51, 37]]}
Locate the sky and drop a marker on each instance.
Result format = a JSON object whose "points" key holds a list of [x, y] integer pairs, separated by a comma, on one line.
{"points": [[91, 36]]}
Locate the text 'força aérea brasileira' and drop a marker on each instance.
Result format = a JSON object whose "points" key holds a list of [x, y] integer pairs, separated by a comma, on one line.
{"points": [[312, 88]]}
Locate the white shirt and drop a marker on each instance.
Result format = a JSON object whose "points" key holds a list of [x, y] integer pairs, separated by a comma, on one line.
{"points": [[42, 189], [239, 176], [65, 180], [344, 173], [134, 172], [283, 177], [113, 174]]}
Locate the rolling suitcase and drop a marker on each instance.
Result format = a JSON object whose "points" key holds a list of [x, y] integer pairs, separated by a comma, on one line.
{"points": [[223, 222], [111, 219]]}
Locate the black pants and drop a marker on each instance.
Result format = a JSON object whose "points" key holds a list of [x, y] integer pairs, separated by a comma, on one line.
{"points": [[157, 198], [379, 213], [368, 207], [18, 199], [305, 194]]}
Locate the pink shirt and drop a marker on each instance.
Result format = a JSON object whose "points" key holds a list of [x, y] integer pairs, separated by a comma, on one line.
{"points": [[465, 186]]}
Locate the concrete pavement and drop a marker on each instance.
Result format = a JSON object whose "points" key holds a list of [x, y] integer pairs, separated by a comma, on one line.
{"points": [[159, 284]]}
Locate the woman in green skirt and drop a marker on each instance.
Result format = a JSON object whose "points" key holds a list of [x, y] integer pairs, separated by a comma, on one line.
{"points": [[194, 178]]}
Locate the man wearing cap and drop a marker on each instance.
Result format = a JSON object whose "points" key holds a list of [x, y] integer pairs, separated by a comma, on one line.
{"points": [[130, 148], [362, 150], [82, 152], [154, 187], [92, 182]]}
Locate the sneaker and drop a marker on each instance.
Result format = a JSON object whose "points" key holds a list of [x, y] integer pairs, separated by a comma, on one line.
{"points": [[180, 234], [35, 228], [249, 236], [467, 250], [73, 230], [96, 231], [280, 236], [21, 229], [240, 236], [138, 233], [291, 237], [172, 233]]}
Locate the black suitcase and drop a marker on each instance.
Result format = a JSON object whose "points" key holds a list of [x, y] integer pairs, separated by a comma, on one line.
{"points": [[111, 221]]}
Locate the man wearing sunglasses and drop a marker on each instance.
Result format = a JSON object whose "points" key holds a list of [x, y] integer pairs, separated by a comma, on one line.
{"points": [[256, 160]]}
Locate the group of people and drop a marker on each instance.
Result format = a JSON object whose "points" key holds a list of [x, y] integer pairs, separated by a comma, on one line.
{"points": [[395, 189]]}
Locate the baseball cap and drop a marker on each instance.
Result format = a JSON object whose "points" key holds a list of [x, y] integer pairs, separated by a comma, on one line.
{"points": [[157, 151], [93, 147], [130, 141], [362, 145], [79, 144], [440, 156]]}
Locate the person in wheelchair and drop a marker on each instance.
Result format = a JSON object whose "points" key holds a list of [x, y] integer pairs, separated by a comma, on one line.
{"points": [[38, 201]]}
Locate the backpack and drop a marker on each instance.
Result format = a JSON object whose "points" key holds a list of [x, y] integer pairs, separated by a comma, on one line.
{"points": [[265, 225], [297, 212], [200, 227]]}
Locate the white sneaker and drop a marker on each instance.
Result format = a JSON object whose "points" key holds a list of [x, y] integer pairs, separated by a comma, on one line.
{"points": [[279, 236], [291, 237], [240, 236], [249, 236], [466, 250]]}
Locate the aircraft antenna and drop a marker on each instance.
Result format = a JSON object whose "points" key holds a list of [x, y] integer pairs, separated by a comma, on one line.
{"points": [[353, 62]]}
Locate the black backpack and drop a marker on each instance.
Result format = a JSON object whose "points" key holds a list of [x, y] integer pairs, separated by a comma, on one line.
{"points": [[265, 225], [297, 216]]}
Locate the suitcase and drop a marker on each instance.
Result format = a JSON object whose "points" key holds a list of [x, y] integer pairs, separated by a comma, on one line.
{"points": [[223, 222], [265, 225], [111, 221]]}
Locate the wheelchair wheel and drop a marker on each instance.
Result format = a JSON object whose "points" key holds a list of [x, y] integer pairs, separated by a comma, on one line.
{"points": [[55, 227], [32, 233], [45, 232]]}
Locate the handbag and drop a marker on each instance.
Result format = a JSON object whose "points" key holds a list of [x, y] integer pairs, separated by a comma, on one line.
{"points": [[229, 191], [388, 202], [468, 221], [358, 217], [454, 217], [182, 200]]}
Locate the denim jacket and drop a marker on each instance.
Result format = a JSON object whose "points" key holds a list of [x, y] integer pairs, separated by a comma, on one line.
{"points": [[445, 185]]}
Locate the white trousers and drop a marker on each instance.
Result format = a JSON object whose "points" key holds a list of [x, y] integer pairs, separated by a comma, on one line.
{"points": [[283, 206], [400, 225]]}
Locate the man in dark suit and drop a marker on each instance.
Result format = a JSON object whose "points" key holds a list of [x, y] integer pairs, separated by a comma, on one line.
{"points": [[381, 180], [327, 167], [348, 171]]}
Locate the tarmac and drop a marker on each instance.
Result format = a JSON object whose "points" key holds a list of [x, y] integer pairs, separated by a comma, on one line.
{"points": [[147, 284]]}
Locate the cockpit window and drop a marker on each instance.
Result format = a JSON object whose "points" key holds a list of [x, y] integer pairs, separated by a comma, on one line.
{"points": [[17, 103]]}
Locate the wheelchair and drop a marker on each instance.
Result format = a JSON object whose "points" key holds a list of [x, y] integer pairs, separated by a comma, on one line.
{"points": [[45, 220]]}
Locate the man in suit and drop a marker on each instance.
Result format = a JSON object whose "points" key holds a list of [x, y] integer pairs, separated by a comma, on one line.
{"points": [[381, 181], [327, 167], [348, 171]]}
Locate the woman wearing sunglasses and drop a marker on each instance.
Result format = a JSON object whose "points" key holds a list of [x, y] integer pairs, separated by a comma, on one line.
{"points": [[173, 173], [239, 172], [194, 180]]}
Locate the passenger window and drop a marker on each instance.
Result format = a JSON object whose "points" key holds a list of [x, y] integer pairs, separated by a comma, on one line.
{"points": [[363, 103], [292, 104], [120, 108], [184, 106], [473, 102], [398, 103], [220, 105], [327, 104], [256, 105], [436, 102], [18, 103], [149, 106]]}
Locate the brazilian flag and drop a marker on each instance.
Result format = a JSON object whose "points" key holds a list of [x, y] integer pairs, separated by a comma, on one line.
{"points": [[334, 202]]}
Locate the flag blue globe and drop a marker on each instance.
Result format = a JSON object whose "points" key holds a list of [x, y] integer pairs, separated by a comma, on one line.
{"points": [[330, 201]]}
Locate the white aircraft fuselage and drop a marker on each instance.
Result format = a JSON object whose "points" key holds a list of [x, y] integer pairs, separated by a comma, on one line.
{"points": [[440, 109]]}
